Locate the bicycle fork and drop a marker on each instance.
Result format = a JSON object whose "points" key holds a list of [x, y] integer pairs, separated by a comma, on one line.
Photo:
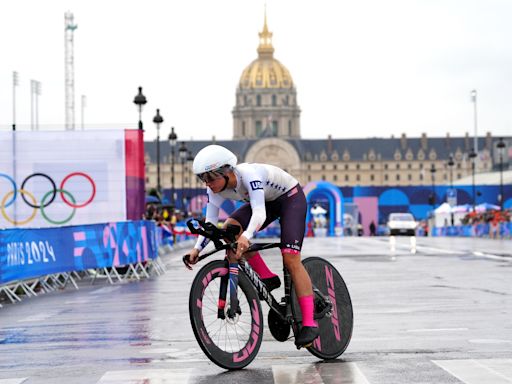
{"points": [[230, 279]]}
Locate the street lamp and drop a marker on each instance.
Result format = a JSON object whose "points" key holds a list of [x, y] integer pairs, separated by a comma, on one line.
{"points": [[473, 99], [501, 151], [139, 101], [173, 137], [433, 200], [472, 155], [451, 163], [190, 160], [158, 119], [183, 157]]}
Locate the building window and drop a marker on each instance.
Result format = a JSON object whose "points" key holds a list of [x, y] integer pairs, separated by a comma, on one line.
{"points": [[409, 166], [386, 177], [258, 128], [346, 167], [309, 177], [397, 177], [274, 100], [385, 166], [409, 177], [358, 177], [274, 128], [346, 178], [397, 165], [357, 166], [323, 167], [421, 165], [335, 178], [334, 166], [421, 176], [459, 166], [243, 128], [289, 127], [458, 176], [372, 166], [245, 99], [309, 167], [323, 177], [258, 100], [372, 178]]}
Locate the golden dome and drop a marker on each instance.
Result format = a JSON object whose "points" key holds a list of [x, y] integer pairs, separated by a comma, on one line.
{"points": [[265, 71]]}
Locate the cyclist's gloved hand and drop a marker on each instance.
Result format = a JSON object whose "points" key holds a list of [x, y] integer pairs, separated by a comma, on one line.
{"points": [[242, 245], [191, 258]]}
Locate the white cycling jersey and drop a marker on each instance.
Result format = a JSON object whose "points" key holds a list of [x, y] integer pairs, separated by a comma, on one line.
{"points": [[256, 184]]}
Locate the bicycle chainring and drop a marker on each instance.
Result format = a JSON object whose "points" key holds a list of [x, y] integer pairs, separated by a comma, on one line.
{"points": [[279, 328]]}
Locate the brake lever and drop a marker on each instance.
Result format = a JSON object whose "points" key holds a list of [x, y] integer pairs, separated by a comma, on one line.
{"points": [[186, 261]]}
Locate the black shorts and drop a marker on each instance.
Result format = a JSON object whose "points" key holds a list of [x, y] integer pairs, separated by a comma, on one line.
{"points": [[290, 208]]}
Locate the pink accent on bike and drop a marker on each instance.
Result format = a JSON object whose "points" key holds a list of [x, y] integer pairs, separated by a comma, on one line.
{"points": [[317, 344], [258, 264], [332, 296], [290, 250], [246, 352], [307, 307]]}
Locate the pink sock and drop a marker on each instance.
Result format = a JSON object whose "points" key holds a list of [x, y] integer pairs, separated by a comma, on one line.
{"points": [[259, 266], [307, 307]]}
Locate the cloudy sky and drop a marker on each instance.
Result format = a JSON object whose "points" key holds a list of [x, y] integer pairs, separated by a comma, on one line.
{"points": [[362, 68]]}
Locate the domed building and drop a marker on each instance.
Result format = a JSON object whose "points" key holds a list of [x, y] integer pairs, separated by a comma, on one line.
{"points": [[266, 98]]}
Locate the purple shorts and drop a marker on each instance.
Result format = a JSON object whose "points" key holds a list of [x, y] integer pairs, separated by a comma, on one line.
{"points": [[290, 208]]}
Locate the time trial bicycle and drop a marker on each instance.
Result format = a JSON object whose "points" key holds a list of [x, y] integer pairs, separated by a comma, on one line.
{"points": [[229, 328]]}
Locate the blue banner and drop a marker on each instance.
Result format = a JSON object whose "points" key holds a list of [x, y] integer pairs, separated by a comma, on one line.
{"points": [[29, 253]]}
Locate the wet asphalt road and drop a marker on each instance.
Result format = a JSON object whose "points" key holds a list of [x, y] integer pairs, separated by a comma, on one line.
{"points": [[440, 315]]}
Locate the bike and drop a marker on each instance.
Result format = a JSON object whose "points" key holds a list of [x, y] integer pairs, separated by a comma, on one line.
{"points": [[229, 328]]}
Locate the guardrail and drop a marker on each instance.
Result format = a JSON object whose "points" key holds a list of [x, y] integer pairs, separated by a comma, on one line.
{"points": [[46, 259]]}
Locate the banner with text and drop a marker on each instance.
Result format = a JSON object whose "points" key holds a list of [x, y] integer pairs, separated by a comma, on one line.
{"points": [[29, 253]]}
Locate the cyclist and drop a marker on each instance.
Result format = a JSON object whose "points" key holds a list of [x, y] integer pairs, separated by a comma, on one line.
{"points": [[270, 193]]}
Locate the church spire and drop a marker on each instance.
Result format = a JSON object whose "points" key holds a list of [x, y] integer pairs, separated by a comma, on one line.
{"points": [[265, 49]]}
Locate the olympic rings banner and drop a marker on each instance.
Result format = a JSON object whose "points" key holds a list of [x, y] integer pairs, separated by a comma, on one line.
{"points": [[29, 253], [50, 179]]}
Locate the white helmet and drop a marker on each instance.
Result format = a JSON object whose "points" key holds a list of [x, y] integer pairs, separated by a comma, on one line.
{"points": [[212, 158]]}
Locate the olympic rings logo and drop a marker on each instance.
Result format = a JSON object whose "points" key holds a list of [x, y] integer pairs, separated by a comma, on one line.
{"points": [[48, 198]]}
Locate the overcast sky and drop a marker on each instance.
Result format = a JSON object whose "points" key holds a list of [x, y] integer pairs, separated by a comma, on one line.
{"points": [[362, 68]]}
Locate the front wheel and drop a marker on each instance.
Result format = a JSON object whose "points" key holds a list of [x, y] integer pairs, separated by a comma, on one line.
{"points": [[231, 343], [335, 331]]}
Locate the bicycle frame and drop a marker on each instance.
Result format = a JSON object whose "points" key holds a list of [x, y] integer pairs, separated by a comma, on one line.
{"points": [[282, 310]]}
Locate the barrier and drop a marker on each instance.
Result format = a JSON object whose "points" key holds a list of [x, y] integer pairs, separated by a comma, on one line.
{"points": [[504, 230], [50, 258]]}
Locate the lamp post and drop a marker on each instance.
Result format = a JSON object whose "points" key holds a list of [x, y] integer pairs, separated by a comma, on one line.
{"points": [[190, 160], [433, 201], [472, 155], [139, 101], [173, 137], [501, 150], [183, 158], [475, 140], [158, 119], [451, 163]]}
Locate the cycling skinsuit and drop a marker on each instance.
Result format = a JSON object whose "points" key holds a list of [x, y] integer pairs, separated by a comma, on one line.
{"points": [[270, 193]]}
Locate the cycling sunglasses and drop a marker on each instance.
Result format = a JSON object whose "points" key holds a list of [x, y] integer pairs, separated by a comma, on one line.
{"points": [[208, 177]]}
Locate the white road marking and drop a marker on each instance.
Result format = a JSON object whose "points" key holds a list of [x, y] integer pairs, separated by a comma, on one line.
{"points": [[437, 330], [490, 341], [344, 373], [147, 376], [13, 381], [495, 371]]}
